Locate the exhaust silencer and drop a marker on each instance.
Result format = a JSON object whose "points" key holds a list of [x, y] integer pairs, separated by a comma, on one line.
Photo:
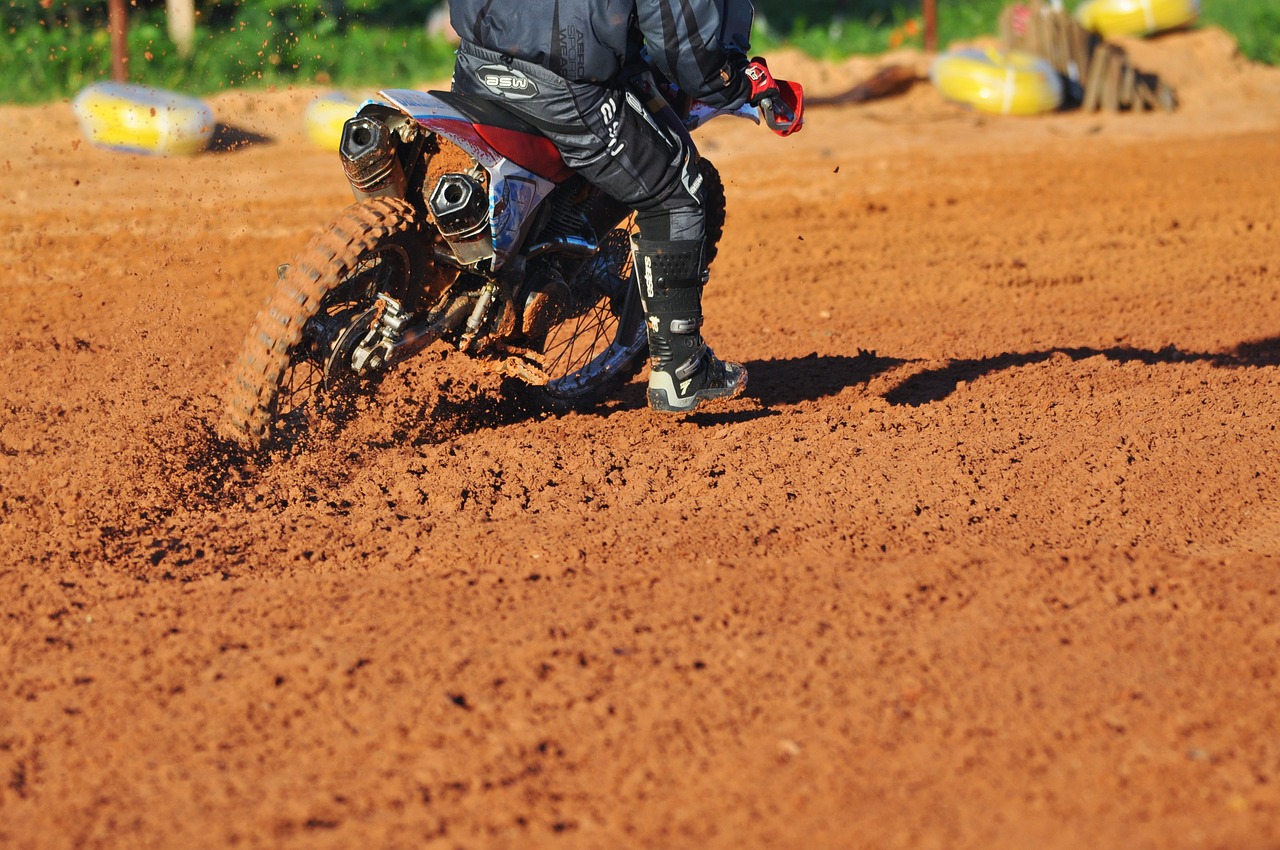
{"points": [[369, 159], [461, 209]]}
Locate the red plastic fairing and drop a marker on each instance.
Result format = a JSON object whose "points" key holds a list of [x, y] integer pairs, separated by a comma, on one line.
{"points": [[486, 142], [536, 153]]}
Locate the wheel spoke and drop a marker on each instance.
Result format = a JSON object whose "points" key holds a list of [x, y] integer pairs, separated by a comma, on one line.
{"points": [[592, 348], [281, 373], [301, 383], [577, 346]]}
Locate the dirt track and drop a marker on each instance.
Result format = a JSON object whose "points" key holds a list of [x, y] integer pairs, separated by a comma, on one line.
{"points": [[986, 558]]}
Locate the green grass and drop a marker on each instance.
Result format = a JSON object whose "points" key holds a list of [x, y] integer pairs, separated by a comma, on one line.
{"points": [[40, 63], [1254, 23]]}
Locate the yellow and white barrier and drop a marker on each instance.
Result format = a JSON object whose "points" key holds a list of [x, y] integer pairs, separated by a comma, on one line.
{"points": [[326, 115], [1110, 18], [1012, 83], [142, 119]]}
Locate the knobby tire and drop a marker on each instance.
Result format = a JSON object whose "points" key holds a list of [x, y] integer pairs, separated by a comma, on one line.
{"points": [[270, 347]]}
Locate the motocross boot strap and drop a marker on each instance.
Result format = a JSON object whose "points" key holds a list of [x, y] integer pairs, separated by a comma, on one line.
{"points": [[684, 371], [674, 322]]}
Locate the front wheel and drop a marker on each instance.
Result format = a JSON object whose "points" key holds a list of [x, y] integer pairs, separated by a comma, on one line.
{"points": [[590, 355], [295, 360], [596, 350]]}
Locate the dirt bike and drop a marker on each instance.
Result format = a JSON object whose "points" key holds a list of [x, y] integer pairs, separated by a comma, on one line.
{"points": [[467, 230]]}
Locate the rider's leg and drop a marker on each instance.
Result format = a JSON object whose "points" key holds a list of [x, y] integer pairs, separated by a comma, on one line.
{"points": [[605, 134], [671, 273]]}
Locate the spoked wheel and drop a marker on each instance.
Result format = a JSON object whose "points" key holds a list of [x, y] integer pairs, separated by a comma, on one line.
{"points": [[602, 343], [297, 357], [595, 350]]}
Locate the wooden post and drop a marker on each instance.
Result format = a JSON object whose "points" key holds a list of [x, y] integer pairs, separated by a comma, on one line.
{"points": [[118, 23], [181, 17], [931, 25]]}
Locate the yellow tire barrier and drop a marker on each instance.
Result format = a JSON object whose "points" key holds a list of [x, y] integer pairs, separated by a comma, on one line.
{"points": [[1013, 83], [326, 115], [140, 119], [1110, 18]]}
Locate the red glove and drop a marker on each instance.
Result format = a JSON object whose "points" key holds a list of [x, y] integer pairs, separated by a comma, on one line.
{"points": [[781, 102], [763, 85]]}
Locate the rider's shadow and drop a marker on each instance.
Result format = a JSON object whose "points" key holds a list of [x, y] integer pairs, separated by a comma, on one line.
{"points": [[782, 383], [934, 385], [772, 383], [779, 383], [814, 376]]}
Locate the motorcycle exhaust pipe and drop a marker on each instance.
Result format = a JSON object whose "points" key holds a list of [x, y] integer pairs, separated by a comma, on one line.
{"points": [[369, 159], [460, 206]]}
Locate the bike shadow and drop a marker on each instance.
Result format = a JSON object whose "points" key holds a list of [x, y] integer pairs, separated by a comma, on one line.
{"points": [[786, 382], [228, 139], [772, 383], [936, 384]]}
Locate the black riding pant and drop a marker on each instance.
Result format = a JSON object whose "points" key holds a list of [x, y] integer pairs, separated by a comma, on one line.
{"points": [[603, 132]]}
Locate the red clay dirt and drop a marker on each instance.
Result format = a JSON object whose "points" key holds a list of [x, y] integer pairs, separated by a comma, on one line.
{"points": [[985, 557]]}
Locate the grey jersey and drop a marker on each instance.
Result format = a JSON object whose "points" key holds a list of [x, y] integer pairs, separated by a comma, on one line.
{"points": [[700, 45]]}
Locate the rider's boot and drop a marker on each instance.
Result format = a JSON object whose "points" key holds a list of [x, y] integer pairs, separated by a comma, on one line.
{"points": [[684, 370]]}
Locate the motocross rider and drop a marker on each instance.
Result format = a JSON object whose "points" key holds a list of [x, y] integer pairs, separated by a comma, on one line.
{"points": [[564, 66]]}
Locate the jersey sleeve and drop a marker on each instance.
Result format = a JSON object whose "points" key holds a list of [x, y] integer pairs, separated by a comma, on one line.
{"points": [[686, 40]]}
